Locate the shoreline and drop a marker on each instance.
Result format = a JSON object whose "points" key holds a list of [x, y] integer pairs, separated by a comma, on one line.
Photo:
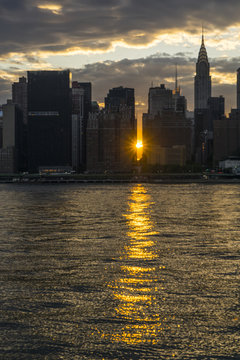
{"points": [[122, 179]]}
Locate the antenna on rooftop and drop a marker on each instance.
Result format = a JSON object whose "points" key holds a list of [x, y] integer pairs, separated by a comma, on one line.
{"points": [[202, 34], [176, 78]]}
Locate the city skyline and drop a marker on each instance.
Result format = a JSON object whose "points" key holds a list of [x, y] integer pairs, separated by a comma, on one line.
{"points": [[121, 43]]}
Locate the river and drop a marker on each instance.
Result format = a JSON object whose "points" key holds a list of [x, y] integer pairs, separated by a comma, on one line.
{"points": [[108, 272]]}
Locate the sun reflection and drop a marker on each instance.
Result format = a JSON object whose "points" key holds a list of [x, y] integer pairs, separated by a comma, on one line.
{"points": [[137, 291]]}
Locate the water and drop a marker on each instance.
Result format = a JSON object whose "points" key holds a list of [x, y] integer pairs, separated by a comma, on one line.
{"points": [[120, 272]]}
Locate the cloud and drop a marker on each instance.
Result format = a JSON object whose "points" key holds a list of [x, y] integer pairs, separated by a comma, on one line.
{"points": [[156, 69], [54, 8], [92, 25], [141, 74], [5, 90]]}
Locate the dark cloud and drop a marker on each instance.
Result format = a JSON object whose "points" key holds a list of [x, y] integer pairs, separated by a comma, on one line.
{"points": [[96, 24], [225, 65]]}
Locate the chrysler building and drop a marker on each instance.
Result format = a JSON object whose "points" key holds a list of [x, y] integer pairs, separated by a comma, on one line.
{"points": [[202, 83]]}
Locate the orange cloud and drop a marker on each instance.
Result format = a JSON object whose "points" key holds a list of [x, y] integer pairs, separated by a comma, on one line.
{"points": [[54, 8]]}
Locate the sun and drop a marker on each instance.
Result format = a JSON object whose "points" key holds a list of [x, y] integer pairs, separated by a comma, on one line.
{"points": [[139, 145]]}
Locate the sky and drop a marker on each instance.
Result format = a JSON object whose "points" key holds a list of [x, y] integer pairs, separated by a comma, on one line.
{"points": [[130, 43]]}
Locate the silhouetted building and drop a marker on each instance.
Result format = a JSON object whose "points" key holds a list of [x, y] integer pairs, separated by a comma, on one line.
{"points": [[203, 125], [216, 110], [227, 137], [49, 119], [204, 129], [78, 131], [159, 99], [238, 88], [168, 133], [179, 101], [202, 84], [19, 96], [87, 101], [1, 127], [95, 107], [87, 108], [111, 139], [119, 97], [12, 152]]}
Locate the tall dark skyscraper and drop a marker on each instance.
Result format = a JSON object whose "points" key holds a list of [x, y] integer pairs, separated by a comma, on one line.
{"points": [[216, 110], [202, 93], [159, 99], [49, 119], [87, 101], [111, 133], [87, 108], [202, 84], [78, 128], [12, 156], [118, 97], [19, 96], [238, 88]]}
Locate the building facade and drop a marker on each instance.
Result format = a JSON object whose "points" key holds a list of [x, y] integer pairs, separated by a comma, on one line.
{"points": [[119, 97], [238, 88], [227, 137], [87, 108], [49, 119], [1, 127], [19, 96], [12, 155], [160, 99], [78, 128], [111, 139], [167, 133], [202, 92]]}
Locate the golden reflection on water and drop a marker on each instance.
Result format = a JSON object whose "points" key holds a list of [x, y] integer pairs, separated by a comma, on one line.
{"points": [[138, 290]]}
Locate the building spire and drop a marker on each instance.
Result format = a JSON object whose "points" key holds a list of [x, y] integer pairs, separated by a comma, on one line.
{"points": [[176, 79], [202, 34], [202, 56], [176, 91]]}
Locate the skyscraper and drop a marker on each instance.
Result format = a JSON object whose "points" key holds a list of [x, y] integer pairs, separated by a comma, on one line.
{"points": [[1, 127], [12, 157], [19, 96], [238, 88], [118, 97], [159, 99], [87, 108], [202, 92], [111, 133], [78, 128], [202, 83], [180, 102], [49, 119]]}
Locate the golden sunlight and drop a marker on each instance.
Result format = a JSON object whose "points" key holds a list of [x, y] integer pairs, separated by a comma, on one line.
{"points": [[136, 290], [54, 8], [139, 144]]}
